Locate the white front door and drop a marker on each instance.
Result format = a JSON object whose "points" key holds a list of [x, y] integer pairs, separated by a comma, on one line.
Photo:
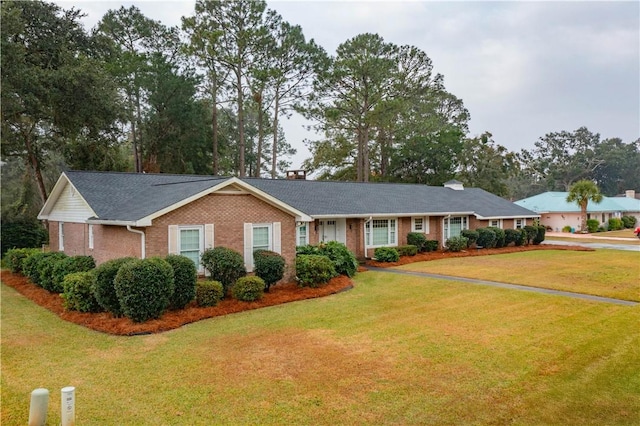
{"points": [[333, 230]]}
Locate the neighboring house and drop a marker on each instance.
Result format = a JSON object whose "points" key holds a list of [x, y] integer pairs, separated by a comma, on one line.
{"points": [[110, 215], [556, 213]]}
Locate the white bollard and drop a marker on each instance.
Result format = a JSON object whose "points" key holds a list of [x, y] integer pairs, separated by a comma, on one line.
{"points": [[68, 406], [39, 406]]}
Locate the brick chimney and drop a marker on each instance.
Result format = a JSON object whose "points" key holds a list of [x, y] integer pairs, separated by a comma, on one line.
{"points": [[630, 193]]}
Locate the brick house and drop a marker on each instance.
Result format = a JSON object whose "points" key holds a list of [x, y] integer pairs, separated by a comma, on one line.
{"points": [[109, 215]]}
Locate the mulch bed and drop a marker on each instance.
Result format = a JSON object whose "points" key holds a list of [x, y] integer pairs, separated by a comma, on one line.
{"points": [[279, 294], [107, 323]]}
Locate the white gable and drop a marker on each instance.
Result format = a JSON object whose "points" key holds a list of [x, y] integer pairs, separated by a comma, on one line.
{"points": [[70, 206]]}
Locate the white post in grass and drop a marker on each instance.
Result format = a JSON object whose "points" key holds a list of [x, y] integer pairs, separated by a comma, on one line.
{"points": [[39, 406], [68, 406]]}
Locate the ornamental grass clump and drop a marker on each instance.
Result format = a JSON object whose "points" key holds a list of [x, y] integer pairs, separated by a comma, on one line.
{"points": [[185, 276], [248, 289], [144, 288]]}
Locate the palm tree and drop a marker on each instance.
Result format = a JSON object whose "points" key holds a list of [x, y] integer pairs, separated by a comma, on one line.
{"points": [[581, 193]]}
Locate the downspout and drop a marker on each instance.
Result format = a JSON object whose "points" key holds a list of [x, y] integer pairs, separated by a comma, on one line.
{"points": [[142, 240], [365, 235]]}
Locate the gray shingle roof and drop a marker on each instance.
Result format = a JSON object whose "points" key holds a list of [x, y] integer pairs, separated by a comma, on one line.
{"points": [[133, 196]]}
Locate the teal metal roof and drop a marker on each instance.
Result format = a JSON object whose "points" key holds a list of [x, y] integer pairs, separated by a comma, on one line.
{"points": [[556, 202]]}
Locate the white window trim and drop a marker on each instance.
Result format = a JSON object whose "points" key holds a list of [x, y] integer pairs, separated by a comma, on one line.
{"points": [[61, 236], [306, 233], [499, 223], [425, 224], [200, 229], [269, 226], [90, 236], [446, 226], [368, 234], [522, 222]]}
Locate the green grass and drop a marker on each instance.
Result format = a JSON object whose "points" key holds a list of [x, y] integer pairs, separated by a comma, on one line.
{"points": [[394, 350], [608, 273]]}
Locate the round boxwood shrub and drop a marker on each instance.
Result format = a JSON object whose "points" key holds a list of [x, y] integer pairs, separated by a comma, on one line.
{"points": [[456, 244], [386, 254], [248, 289], [144, 288], [541, 231], [313, 270], [70, 265], [16, 257], [104, 288], [185, 276], [417, 239], [431, 245], [510, 236], [46, 266], [500, 237], [30, 266], [269, 266], [592, 225], [531, 231], [78, 292], [224, 265], [471, 236], [486, 238], [209, 293], [408, 250], [521, 237], [629, 221], [344, 261], [615, 224]]}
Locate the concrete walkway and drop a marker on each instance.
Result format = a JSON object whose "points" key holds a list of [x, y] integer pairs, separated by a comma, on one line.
{"points": [[508, 286], [631, 237]]}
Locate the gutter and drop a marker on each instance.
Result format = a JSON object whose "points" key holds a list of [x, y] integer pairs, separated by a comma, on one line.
{"points": [[142, 240]]}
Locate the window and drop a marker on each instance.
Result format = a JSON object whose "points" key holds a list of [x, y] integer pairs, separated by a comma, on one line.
{"points": [[495, 223], [454, 225], [91, 236], [61, 236], [261, 237], [519, 223], [302, 235], [420, 224], [190, 244], [380, 232]]}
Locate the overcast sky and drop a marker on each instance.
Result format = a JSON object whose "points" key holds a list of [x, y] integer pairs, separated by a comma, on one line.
{"points": [[522, 69]]}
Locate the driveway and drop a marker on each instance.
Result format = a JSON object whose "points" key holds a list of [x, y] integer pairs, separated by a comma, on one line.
{"points": [[626, 247]]}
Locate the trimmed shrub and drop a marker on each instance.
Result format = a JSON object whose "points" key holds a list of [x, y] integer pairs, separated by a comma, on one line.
{"points": [[532, 232], [566, 228], [471, 236], [456, 244], [185, 276], [104, 289], [386, 254], [486, 238], [592, 225], [521, 237], [629, 221], [408, 250], [30, 266], [417, 239], [269, 266], [500, 237], [431, 245], [511, 236], [540, 235], [69, 266], [615, 224], [344, 261], [46, 266], [16, 257], [209, 293], [224, 265], [248, 289], [313, 270], [144, 288], [307, 249], [78, 292]]}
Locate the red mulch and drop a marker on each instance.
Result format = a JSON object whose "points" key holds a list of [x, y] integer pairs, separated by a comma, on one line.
{"points": [[281, 293], [107, 323], [436, 255]]}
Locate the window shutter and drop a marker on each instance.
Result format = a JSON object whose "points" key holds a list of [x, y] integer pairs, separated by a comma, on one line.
{"points": [[208, 236], [173, 239], [248, 246], [277, 237]]}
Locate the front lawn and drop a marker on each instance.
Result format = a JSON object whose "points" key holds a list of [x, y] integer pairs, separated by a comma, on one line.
{"points": [[608, 273], [393, 350]]}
